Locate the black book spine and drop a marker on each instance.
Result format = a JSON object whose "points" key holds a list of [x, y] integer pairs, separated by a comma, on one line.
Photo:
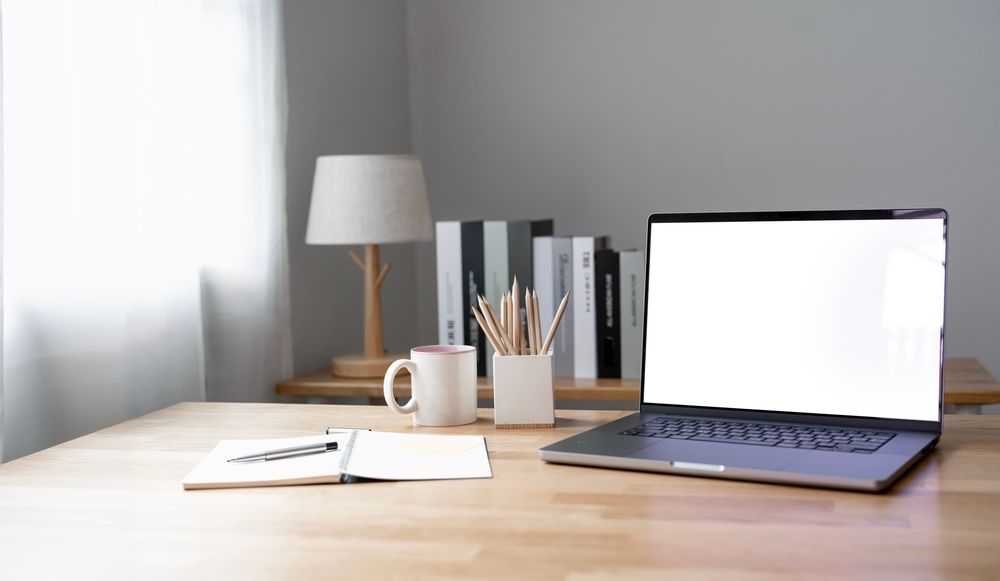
{"points": [[608, 303], [473, 285], [546, 227]]}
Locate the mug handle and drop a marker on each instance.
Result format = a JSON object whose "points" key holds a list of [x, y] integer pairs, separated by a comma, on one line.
{"points": [[390, 375]]}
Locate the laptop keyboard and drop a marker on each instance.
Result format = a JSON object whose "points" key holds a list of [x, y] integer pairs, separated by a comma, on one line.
{"points": [[776, 435]]}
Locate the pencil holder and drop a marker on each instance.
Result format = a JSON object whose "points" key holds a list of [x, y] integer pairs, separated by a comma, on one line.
{"points": [[522, 391]]}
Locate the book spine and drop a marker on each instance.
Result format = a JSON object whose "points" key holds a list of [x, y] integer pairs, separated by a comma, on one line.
{"points": [[546, 227], [451, 315], [562, 280], [519, 252], [495, 263], [519, 256], [540, 228], [632, 285], [584, 311], [473, 276], [542, 274], [520, 234], [607, 327]]}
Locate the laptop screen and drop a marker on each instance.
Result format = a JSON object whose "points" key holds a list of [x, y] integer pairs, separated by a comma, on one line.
{"points": [[821, 316]]}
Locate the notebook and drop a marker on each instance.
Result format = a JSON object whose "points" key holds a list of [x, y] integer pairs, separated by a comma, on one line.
{"points": [[798, 347], [362, 454]]}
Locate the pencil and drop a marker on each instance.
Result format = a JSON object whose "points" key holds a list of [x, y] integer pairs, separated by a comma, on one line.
{"points": [[503, 313], [505, 305], [510, 318], [538, 321], [498, 345], [491, 316], [529, 322], [486, 329], [516, 313], [536, 341], [555, 324]]}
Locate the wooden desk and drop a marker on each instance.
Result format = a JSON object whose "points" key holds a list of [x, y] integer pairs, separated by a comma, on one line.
{"points": [[967, 385], [110, 505]]}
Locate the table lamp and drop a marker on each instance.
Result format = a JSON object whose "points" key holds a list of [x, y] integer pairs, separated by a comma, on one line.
{"points": [[369, 200]]}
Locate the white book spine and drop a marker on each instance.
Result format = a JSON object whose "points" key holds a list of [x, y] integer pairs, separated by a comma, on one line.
{"points": [[584, 312], [451, 314], [631, 265]]}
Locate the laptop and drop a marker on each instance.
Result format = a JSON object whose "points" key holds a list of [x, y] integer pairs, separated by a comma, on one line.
{"points": [[792, 347]]}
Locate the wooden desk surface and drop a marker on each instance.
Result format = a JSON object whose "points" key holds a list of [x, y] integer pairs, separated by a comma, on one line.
{"points": [[966, 382], [110, 505]]}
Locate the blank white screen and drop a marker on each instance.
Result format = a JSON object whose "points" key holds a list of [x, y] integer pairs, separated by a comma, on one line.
{"points": [[840, 317]]}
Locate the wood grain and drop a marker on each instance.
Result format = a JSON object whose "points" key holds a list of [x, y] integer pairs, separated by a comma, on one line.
{"points": [[110, 506], [966, 382]]}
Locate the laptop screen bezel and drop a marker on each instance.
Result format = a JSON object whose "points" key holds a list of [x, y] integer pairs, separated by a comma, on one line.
{"points": [[783, 416]]}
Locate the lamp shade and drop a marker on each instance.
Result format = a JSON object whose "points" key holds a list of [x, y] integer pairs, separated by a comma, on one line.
{"points": [[368, 199]]}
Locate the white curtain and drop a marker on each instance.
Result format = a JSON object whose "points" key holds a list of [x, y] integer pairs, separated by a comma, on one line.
{"points": [[146, 258], [1, 232]]}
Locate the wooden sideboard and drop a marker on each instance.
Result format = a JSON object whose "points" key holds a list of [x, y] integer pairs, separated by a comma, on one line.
{"points": [[967, 385]]}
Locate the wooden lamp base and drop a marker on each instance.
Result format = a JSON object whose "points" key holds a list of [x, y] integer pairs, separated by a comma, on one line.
{"points": [[374, 361], [357, 365]]}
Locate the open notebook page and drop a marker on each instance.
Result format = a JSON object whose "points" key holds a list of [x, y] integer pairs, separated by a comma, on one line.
{"points": [[215, 472], [389, 456]]}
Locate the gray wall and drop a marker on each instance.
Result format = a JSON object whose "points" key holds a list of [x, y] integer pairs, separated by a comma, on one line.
{"points": [[597, 113], [347, 93]]}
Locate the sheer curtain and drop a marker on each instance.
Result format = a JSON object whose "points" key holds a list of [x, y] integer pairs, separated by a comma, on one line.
{"points": [[145, 249]]}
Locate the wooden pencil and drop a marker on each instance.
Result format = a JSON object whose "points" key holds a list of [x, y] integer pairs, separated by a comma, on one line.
{"points": [[486, 329], [555, 324], [503, 313], [538, 321], [508, 321], [492, 316], [529, 310], [516, 313], [489, 327], [536, 341]]}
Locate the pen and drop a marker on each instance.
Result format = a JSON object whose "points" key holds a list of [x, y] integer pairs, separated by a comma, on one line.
{"points": [[317, 448], [342, 430]]}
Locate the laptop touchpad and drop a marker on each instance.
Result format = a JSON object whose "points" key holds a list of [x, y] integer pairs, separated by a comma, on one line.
{"points": [[746, 456]]}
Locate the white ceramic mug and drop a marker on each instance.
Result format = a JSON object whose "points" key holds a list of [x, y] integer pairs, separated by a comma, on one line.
{"points": [[443, 380]]}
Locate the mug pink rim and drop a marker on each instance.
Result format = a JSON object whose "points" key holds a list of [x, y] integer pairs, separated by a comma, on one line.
{"points": [[443, 349]]}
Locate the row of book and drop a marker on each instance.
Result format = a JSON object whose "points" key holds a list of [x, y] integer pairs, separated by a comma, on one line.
{"points": [[601, 330]]}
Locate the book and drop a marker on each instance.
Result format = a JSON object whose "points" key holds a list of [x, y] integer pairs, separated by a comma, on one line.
{"points": [[543, 277], [606, 301], [562, 344], [553, 277], [448, 253], [584, 312], [520, 234], [363, 454], [632, 288], [473, 284]]}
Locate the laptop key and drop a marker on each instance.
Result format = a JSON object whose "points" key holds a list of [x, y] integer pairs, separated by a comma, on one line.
{"points": [[869, 447]]}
